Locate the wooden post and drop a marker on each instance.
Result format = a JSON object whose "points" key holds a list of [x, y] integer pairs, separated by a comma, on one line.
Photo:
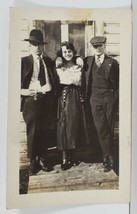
{"points": [[64, 32], [89, 33], [99, 28]]}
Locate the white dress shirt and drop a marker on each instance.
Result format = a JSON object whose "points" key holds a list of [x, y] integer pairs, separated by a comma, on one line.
{"points": [[101, 58], [35, 83]]}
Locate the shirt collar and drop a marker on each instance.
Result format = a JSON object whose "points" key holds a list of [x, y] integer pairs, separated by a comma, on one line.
{"points": [[101, 57], [35, 57]]}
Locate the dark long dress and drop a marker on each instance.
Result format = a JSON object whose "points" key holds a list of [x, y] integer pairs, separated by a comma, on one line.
{"points": [[72, 129]]}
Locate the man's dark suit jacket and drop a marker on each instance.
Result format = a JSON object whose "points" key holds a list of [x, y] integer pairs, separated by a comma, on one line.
{"points": [[111, 73], [27, 70], [26, 74]]}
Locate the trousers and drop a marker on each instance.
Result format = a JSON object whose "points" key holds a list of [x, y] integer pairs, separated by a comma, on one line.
{"points": [[37, 116], [104, 110]]}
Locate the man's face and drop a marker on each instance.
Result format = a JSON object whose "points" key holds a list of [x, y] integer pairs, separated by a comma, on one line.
{"points": [[99, 49], [67, 53], [36, 48]]}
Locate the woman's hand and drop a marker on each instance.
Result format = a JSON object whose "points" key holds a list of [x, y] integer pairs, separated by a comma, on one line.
{"points": [[79, 62], [59, 62]]}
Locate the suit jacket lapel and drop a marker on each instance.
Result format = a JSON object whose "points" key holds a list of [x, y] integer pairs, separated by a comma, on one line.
{"points": [[108, 64], [29, 65], [49, 70], [88, 74]]}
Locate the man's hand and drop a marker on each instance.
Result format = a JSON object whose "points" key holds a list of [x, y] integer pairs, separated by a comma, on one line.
{"points": [[45, 88], [28, 92]]}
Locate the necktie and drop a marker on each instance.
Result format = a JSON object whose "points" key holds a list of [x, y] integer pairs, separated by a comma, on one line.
{"points": [[41, 76], [98, 61]]}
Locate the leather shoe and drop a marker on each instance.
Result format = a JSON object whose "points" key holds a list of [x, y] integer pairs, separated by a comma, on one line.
{"points": [[75, 162], [47, 168], [65, 164], [108, 163], [107, 168], [34, 167], [44, 166]]}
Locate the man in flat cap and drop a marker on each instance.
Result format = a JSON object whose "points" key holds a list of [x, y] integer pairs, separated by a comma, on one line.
{"points": [[101, 91], [38, 101]]}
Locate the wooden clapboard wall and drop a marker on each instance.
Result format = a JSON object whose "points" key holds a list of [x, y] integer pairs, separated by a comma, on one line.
{"points": [[79, 33], [26, 26], [112, 33]]}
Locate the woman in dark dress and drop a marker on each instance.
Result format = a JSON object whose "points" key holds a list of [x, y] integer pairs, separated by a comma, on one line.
{"points": [[71, 123]]}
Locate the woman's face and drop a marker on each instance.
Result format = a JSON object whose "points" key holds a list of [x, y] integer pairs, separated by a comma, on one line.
{"points": [[67, 53]]}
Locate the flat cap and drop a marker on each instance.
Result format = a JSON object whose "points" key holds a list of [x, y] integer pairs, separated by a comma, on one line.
{"points": [[98, 40]]}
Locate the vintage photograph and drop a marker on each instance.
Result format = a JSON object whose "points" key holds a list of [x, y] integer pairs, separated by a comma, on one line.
{"points": [[67, 77]]}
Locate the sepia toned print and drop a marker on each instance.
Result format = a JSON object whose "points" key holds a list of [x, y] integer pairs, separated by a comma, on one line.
{"points": [[88, 164]]}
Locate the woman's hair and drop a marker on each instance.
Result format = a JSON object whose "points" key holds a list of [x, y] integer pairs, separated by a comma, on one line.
{"points": [[68, 45]]}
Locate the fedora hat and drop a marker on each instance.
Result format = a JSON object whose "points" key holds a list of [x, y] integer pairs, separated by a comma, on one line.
{"points": [[36, 36]]}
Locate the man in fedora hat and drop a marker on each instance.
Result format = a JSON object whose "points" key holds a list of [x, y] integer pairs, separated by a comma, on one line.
{"points": [[101, 82], [38, 101]]}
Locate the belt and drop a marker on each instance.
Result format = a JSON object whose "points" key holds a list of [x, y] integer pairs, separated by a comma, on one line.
{"points": [[40, 95]]}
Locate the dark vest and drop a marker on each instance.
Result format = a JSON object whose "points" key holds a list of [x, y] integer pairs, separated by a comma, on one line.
{"points": [[100, 85]]}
